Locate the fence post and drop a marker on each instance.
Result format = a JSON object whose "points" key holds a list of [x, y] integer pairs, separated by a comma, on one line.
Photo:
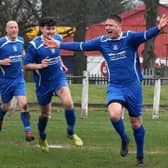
{"points": [[156, 99], [13, 106], [122, 113], [85, 92]]}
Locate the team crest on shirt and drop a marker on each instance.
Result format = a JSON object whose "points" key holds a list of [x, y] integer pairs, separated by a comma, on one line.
{"points": [[115, 47], [14, 48], [52, 50]]}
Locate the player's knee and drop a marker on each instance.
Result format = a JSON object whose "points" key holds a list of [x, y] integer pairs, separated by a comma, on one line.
{"points": [[68, 104], [136, 124], [23, 107], [5, 108], [114, 116], [45, 115]]}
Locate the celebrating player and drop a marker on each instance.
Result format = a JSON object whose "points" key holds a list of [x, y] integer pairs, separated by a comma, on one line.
{"points": [[50, 79], [124, 75], [12, 81]]}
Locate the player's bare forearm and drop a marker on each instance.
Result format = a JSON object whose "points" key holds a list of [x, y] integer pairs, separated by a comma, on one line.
{"points": [[33, 66], [6, 62]]}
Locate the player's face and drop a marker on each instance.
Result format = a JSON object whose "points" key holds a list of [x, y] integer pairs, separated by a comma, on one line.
{"points": [[48, 31], [12, 30], [113, 28]]}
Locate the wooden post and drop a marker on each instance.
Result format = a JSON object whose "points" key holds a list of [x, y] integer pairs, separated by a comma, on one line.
{"points": [[122, 113], [156, 99], [85, 92], [13, 106]]}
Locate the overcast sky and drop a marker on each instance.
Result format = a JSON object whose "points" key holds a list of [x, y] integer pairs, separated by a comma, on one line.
{"points": [[164, 1]]}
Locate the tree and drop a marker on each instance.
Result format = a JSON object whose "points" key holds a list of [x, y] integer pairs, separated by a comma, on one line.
{"points": [[151, 15], [25, 12]]}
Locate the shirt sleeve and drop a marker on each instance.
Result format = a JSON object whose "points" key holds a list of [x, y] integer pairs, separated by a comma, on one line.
{"points": [[137, 38], [30, 55], [89, 45]]}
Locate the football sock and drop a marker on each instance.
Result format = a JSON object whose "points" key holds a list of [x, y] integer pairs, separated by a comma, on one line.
{"points": [[25, 118], [42, 123], [70, 119], [119, 127], [2, 113], [139, 134]]}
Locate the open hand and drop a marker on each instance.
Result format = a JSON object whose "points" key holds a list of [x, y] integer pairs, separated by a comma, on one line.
{"points": [[51, 42]]}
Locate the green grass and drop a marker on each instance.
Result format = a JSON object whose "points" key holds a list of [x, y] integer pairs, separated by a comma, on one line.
{"points": [[101, 148], [97, 94], [102, 144]]}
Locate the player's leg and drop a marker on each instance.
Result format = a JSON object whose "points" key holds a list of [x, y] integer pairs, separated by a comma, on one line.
{"points": [[135, 107], [115, 100], [20, 93], [42, 125], [70, 114], [44, 97], [139, 134], [115, 111], [13, 106], [6, 96], [25, 117], [4, 107]]}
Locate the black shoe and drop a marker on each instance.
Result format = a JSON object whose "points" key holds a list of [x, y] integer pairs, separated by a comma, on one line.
{"points": [[29, 136], [140, 161], [124, 148]]}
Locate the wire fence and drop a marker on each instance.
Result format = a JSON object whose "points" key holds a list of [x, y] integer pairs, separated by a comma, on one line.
{"points": [[149, 80]]}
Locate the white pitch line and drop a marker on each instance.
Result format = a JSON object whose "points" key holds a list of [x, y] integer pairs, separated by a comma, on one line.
{"points": [[53, 146], [56, 146]]}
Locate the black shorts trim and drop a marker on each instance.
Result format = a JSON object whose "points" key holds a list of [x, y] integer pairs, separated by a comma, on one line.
{"points": [[116, 101]]}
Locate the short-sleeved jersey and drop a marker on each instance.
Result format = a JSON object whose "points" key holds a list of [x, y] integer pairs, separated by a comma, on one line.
{"points": [[12, 50], [120, 54], [36, 52]]}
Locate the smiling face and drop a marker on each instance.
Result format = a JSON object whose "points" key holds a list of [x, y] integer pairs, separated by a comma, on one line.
{"points": [[113, 28], [12, 30], [47, 31]]}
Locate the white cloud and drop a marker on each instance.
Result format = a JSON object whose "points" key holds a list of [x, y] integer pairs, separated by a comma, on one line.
{"points": [[164, 1]]}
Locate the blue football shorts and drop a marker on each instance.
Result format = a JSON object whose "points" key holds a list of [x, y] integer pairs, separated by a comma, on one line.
{"points": [[130, 96], [12, 87], [47, 90]]}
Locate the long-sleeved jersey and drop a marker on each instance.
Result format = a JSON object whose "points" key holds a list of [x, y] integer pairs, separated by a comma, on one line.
{"points": [[36, 52], [12, 50], [120, 54]]}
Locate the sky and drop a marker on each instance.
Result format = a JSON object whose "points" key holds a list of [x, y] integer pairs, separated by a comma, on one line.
{"points": [[164, 1]]}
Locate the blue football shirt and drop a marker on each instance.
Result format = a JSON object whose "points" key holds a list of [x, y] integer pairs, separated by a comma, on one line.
{"points": [[12, 50], [120, 54], [36, 52]]}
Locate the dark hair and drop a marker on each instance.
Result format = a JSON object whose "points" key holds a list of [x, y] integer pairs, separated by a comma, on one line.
{"points": [[47, 21], [115, 17]]}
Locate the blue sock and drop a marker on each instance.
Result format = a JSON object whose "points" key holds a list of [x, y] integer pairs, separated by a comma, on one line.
{"points": [[42, 123], [119, 127], [139, 134], [2, 113], [25, 118], [70, 119]]}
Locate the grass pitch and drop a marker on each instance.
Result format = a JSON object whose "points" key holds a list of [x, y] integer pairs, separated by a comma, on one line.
{"points": [[101, 143]]}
